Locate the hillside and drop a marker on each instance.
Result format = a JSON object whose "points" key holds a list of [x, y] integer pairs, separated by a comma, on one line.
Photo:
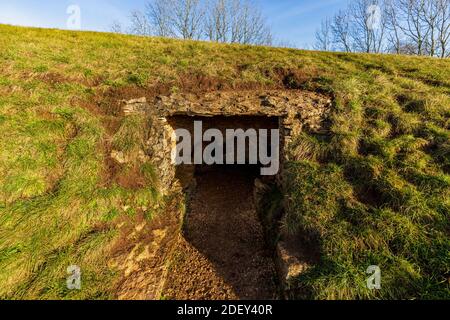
{"points": [[373, 190]]}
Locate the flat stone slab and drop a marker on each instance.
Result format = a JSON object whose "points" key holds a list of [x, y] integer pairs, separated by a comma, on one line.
{"points": [[264, 103]]}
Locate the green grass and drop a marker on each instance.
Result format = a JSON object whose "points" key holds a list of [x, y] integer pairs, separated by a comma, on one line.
{"points": [[376, 190], [377, 193]]}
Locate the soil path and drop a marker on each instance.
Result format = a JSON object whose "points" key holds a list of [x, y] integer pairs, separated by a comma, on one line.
{"points": [[223, 255]]}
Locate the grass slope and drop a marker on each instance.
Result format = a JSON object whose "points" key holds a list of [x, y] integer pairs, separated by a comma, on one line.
{"points": [[374, 190]]}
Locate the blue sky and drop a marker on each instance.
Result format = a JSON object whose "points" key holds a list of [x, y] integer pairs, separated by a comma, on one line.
{"points": [[292, 21]]}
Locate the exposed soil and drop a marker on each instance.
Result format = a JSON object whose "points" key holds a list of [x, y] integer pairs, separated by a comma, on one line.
{"points": [[141, 252], [223, 254]]}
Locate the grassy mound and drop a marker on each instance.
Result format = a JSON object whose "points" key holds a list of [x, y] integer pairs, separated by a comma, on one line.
{"points": [[374, 190]]}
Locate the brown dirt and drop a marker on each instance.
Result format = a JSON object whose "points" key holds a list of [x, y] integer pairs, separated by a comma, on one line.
{"points": [[223, 254], [295, 78], [141, 252]]}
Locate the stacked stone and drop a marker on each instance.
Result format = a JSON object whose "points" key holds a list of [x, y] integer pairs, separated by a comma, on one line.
{"points": [[297, 111]]}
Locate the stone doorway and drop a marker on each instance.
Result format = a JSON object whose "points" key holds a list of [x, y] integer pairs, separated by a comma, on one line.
{"points": [[222, 253], [222, 223]]}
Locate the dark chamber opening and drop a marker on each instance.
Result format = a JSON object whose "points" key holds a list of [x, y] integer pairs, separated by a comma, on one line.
{"points": [[222, 222]]}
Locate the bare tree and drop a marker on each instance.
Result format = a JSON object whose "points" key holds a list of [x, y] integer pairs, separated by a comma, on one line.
{"points": [[394, 34], [341, 31], [413, 25], [408, 48], [236, 21], [324, 39], [368, 25], [176, 18], [419, 27], [139, 24], [378, 24], [287, 44], [443, 27], [248, 26], [158, 13], [430, 15], [186, 18], [116, 27], [218, 21], [424, 24]]}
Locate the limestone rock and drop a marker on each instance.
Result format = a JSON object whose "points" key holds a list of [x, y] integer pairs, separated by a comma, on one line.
{"points": [[289, 265], [134, 106], [119, 157]]}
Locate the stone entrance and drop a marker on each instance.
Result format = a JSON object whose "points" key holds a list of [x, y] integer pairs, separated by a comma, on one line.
{"points": [[293, 111], [222, 253]]}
